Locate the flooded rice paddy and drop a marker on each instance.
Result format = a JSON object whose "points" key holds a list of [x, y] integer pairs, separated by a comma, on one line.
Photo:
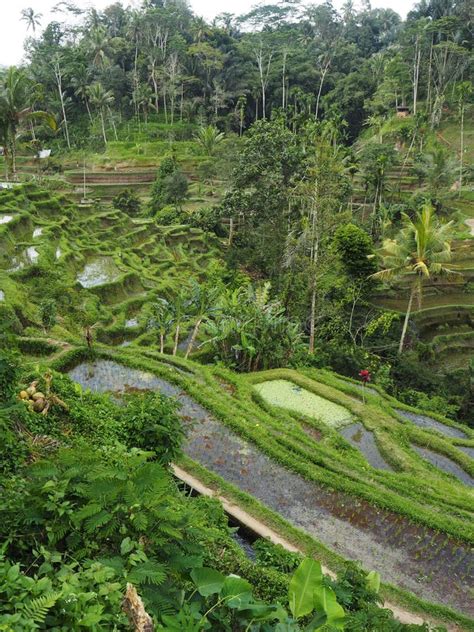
{"points": [[364, 441], [432, 565], [290, 396], [98, 271], [443, 463], [427, 423]]}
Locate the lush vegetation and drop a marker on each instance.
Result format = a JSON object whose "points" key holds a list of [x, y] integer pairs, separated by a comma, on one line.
{"points": [[268, 218]]}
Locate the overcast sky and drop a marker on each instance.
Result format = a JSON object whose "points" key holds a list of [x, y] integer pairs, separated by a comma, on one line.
{"points": [[13, 30]]}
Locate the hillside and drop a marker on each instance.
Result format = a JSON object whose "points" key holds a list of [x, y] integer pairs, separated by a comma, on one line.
{"points": [[237, 319]]}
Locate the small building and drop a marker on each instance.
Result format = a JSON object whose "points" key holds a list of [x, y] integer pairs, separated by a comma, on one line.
{"points": [[403, 111]]}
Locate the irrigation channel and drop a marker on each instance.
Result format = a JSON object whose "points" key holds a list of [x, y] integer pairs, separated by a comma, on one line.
{"points": [[434, 566]]}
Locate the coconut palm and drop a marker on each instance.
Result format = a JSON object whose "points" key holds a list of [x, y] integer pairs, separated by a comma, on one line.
{"points": [[15, 107], [101, 99], [97, 44], [209, 138], [31, 18], [80, 81], [421, 249]]}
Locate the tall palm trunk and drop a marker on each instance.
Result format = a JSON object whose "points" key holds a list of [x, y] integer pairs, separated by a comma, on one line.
{"points": [[193, 338], [312, 318], [407, 318], [162, 343], [103, 126], [176, 339]]}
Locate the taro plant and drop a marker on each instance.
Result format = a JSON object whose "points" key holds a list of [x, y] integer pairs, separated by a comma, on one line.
{"points": [[221, 602]]}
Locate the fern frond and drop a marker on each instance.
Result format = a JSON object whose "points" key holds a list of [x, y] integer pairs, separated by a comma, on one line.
{"points": [[37, 609]]}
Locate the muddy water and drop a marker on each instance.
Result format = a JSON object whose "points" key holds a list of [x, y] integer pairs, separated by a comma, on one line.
{"points": [[98, 271], [467, 449], [443, 463], [427, 423], [364, 441], [430, 564]]}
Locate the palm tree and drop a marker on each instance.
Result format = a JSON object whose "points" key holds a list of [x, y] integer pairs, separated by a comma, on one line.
{"points": [[15, 107], [421, 249], [209, 138], [161, 320], [80, 83], [97, 43], [31, 18], [101, 99], [204, 300]]}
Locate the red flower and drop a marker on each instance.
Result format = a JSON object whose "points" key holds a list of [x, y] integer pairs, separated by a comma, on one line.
{"points": [[365, 375]]}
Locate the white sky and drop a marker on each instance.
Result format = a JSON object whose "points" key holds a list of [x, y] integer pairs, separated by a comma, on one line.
{"points": [[13, 30]]}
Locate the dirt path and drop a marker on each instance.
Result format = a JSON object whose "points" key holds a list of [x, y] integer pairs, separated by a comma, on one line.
{"points": [[258, 527]]}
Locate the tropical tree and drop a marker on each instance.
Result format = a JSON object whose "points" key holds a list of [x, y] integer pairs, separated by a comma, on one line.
{"points": [[209, 138], [161, 320], [204, 300], [421, 249], [101, 99], [180, 307], [80, 81], [464, 90], [15, 107], [31, 18]]}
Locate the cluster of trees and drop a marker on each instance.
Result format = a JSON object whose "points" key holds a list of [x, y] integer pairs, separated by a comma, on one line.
{"points": [[305, 60]]}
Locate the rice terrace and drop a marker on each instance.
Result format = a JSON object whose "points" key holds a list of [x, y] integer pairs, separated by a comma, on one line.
{"points": [[237, 317]]}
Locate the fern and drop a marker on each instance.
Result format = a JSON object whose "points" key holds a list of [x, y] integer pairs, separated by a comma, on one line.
{"points": [[149, 572], [37, 609]]}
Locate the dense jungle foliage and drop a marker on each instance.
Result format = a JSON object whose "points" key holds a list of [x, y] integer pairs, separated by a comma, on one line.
{"points": [[287, 189]]}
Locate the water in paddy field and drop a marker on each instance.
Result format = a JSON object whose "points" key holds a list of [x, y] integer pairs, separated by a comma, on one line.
{"points": [[427, 423], [5, 219], [364, 441], [98, 271], [2, 295], [431, 564], [26, 258], [443, 463], [131, 322], [37, 232], [467, 449]]}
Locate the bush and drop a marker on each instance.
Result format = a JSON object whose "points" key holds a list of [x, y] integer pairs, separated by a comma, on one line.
{"points": [[276, 556], [128, 202], [151, 422], [170, 186]]}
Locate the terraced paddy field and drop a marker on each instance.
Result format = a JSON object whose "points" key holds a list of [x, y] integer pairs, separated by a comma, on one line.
{"points": [[301, 449], [354, 499], [100, 254]]}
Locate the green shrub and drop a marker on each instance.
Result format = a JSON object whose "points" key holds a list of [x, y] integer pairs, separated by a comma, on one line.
{"points": [[128, 202]]}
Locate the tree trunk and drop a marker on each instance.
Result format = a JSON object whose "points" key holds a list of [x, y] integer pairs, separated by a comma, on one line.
{"points": [[407, 318], [416, 73], [231, 230], [88, 109], [193, 338], [103, 126], [162, 343], [461, 158], [176, 339], [113, 123], [323, 75], [312, 318]]}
